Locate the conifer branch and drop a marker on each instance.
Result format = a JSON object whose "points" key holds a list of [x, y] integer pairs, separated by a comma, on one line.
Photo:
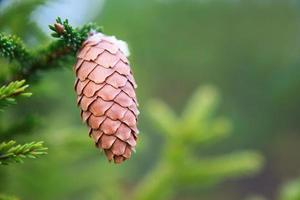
{"points": [[11, 47], [10, 152], [72, 37], [8, 93], [49, 57], [198, 125]]}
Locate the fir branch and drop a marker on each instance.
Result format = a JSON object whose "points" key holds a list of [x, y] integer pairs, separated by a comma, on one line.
{"points": [[12, 47], [214, 170], [8, 93], [10, 152], [54, 55], [72, 37], [197, 125]]}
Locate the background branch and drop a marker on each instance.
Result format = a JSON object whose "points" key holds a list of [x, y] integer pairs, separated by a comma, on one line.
{"points": [[8, 93], [10, 152]]}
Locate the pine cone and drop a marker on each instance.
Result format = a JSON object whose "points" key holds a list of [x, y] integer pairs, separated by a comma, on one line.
{"points": [[106, 96]]}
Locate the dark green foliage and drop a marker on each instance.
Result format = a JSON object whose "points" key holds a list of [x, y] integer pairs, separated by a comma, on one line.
{"points": [[12, 47], [48, 57], [10, 152], [8, 93], [29, 63]]}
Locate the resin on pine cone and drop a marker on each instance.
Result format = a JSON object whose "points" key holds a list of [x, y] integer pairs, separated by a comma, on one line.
{"points": [[106, 95]]}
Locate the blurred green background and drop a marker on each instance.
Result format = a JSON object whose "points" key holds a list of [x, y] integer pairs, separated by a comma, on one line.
{"points": [[248, 51]]}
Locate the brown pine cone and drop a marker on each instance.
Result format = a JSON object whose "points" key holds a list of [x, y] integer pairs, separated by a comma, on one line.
{"points": [[106, 96]]}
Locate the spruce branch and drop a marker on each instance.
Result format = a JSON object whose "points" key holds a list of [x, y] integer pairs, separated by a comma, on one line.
{"points": [[8, 93], [198, 125], [72, 37], [10, 152], [216, 169], [51, 56], [12, 47]]}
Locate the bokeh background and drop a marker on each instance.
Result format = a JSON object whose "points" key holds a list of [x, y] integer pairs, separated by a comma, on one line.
{"points": [[249, 51]]}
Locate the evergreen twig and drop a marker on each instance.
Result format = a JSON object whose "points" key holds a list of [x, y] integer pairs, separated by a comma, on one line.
{"points": [[197, 126], [8, 93], [72, 37], [49, 57], [12, 47], [10, 152]]}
